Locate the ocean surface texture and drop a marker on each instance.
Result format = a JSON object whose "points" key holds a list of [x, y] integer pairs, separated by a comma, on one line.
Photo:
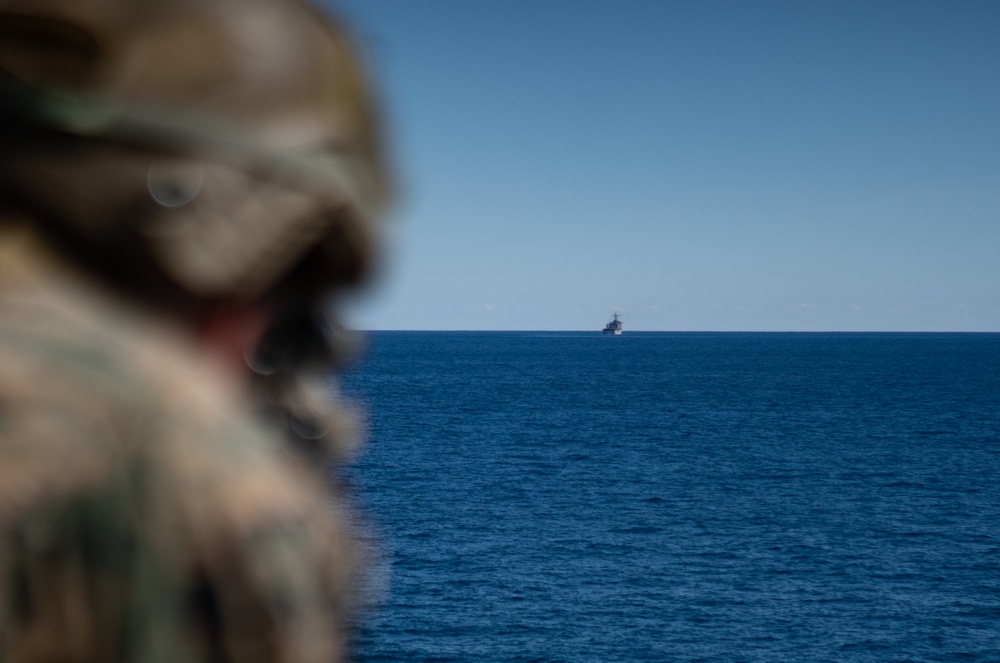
{"points": [[682, 496]]}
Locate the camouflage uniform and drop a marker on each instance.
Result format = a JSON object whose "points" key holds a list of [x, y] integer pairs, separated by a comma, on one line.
{"points": [[148, 511], [145, 514]]}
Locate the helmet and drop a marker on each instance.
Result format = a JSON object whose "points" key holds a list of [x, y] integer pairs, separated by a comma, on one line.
{"points": [[204, 149], [200, 153]]}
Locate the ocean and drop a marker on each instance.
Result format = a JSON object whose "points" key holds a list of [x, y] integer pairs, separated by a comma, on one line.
{"points": [[680, 496]]}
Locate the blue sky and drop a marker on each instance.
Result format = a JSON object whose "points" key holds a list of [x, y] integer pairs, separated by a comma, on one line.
{"points": [[696, 165]]}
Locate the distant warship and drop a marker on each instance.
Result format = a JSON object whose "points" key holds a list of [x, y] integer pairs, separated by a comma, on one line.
{"points": [[614, 327]]}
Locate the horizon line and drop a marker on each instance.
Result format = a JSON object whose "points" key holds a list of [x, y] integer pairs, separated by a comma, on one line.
{"points": [[692, 331]]}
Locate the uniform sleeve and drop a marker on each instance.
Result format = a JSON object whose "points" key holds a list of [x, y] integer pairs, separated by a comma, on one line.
{"points": [[163, 534]]}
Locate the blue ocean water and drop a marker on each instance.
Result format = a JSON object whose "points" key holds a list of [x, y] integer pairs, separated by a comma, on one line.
{"points": [[682, 496]]}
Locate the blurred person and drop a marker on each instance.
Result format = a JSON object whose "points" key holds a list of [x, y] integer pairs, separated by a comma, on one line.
{"points": [[184, 184]]}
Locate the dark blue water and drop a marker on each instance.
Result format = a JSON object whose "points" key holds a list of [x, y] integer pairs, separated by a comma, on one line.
{"points": [[683, 497]]}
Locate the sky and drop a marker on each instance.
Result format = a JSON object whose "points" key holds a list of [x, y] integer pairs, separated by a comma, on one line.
{"points": [[691, 165]]}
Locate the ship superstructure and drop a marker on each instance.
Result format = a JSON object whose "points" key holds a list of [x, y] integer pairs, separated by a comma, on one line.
{"points": [[613, 328]]}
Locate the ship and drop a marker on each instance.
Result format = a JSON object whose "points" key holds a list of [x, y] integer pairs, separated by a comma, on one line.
{"points": [[614, 327]]}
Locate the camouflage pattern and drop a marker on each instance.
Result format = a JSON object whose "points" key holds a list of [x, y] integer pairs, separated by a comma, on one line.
{"points": [[146, 514], [206, 146], [165, 163]]}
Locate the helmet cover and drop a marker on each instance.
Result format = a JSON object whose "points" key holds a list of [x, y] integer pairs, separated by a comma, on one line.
{"points": [[217, 142]]}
